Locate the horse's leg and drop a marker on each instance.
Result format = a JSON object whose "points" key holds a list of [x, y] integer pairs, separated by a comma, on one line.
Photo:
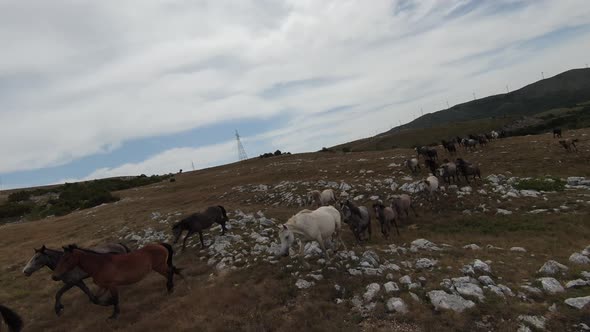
{"points": [[201, 238], [115, 302], [189, 233], [395, 224], [168, 273], [58, 306], [322, 245], [80, 284]]}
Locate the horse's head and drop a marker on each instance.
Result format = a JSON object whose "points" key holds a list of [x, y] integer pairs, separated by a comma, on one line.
{"points": [[39, 259], [287, 238], [68, 261]]}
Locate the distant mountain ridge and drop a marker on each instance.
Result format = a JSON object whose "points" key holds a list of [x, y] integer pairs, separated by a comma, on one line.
{"points": [[563, 90]]}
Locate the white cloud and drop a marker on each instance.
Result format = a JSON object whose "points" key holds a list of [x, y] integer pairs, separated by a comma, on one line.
{"points": [[170, 161], [81, 79]]}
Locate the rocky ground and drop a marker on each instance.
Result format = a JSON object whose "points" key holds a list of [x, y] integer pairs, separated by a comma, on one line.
{"points": [[487, 255]]}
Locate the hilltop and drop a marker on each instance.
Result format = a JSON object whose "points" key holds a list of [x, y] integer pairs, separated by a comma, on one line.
{"points": [[486, 242], [533, 109]]}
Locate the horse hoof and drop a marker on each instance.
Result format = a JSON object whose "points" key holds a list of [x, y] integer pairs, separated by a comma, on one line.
{"points": [[59, 310]]}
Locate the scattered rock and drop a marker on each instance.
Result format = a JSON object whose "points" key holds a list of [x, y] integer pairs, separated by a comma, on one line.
{"points": [[472, 247], [303, 284], [425, 263], [578, 283], [578, 302], [552, 268], [371, 292], [445, 301], [551, 285], [486, 280], [396, 304], [391, 287], [537, 322], [466, 288], [423, 244], [578, 258], [503, 212], [481, 266], [532, 290], [518, 249], [405, 280], [371, 258]]}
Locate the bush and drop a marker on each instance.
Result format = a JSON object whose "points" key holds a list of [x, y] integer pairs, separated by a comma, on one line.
{"points": [[346, 149], [15, 209], [278, 153], [19, 196], [541, 184]]}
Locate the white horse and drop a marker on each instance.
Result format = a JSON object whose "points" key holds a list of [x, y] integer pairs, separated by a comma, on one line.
{"points": [[318, 225], [318, 199]]}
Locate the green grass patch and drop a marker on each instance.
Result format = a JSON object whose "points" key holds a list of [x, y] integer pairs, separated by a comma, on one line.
{"points": [[541, 184]]}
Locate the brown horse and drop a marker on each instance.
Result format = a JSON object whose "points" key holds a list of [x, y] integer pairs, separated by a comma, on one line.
{"points": [[110, 271]]}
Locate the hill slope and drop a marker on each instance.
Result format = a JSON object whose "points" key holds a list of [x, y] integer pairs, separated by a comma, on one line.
{"points": [[237, 284], [564, 90]]}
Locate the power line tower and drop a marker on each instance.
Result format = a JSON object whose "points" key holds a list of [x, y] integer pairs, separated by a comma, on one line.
{"points": [[241, 152]]}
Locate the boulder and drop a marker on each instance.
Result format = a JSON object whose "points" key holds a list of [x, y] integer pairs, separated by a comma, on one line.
{"points": [[391, 287], [551, 285], [303, 284], [552, 267], [578, 258], [442, 300], [578, 302], [372, 291], [396, 304], [423, 244]]}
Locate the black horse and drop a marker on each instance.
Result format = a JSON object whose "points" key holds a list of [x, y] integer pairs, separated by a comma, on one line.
{"points": [[198, 222], [11, 318]]}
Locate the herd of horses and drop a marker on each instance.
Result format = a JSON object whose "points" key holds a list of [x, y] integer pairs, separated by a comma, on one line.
{"points": [[113, 265]]}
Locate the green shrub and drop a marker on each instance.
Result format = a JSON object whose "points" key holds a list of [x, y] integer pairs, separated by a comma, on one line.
{"points": [[541, 184], [346, 149], [19, 196], [15, 209]]}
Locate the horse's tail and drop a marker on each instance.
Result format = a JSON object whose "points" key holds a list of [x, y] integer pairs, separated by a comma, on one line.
{"points": [[127, 250], [169, 259], [12, 319], [223, 211]]}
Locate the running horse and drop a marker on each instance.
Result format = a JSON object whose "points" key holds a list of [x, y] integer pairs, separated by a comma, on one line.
{"points": [[109, 271]]}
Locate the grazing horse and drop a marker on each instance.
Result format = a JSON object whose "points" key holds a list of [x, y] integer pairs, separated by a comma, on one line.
{"points": [[427, 152], [357, 218], [50, 258], [319, 225], [413, 165], [315, 198], [109, 271], [569, 144], [386, 217], [430, 164], [467, 169], [402, 205], [557, 132], [11, 318], [197, 222]]}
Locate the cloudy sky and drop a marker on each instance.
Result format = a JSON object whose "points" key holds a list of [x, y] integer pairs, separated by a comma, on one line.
{"points": [[92, 89]]}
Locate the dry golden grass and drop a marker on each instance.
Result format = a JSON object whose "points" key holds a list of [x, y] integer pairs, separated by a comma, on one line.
{"points": [[263, 297]]}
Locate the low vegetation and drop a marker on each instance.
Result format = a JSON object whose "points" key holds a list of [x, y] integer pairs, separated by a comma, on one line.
{"points": [[541, 184], [62, 200]]}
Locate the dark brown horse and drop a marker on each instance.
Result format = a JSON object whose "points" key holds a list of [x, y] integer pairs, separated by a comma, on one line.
{"points": [[109, 271], [11, 318], [198, 222]]}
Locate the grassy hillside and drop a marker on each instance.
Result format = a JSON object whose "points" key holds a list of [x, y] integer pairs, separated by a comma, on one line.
{"points": [[564, 90], [255, 291]]}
